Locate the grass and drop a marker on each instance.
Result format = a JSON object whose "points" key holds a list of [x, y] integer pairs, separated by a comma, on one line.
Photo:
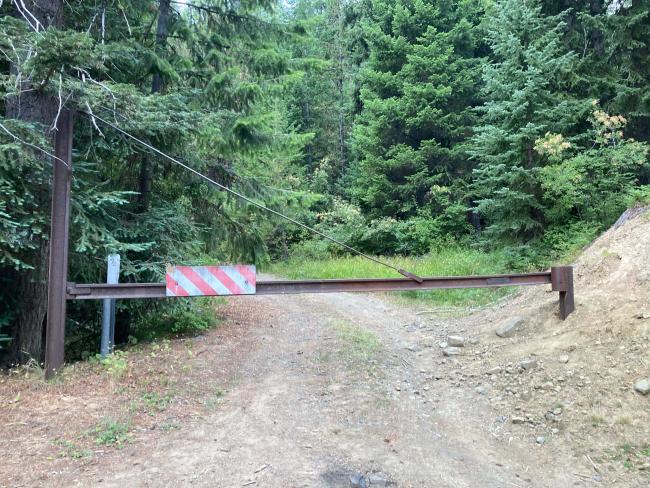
{"points": [[632, 455], [358, 344], [115, 364], [597, 420], [155, 402], [445, 262], [71, 450], [214, 400], [110, 432]]}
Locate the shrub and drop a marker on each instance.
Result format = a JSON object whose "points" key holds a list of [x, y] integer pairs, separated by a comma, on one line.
{"points": [[593, 185], [186, 316]]}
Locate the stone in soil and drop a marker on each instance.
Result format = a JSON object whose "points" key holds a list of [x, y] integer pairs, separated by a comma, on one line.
{"points": [[495, 370], [376, 480], [529, 363], [452, 351], [642, 386], [509, 327], [456, 341], [358, 481], [482, 389], [564, 358], [540, 440], [518, 420]]}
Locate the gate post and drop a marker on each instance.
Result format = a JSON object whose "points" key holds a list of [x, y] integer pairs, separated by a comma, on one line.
{"points": [[562, 281], [108, 312], [58, 266]]}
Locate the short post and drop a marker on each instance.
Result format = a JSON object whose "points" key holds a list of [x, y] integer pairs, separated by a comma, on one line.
{"points": [[562, 281], [58, 266], [108, 312]]}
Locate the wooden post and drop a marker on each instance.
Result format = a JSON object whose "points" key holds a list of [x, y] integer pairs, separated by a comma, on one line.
{"points": [[562, 281], [58, 268]]}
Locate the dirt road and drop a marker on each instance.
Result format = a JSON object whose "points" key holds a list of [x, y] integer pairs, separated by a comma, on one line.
{"points": [[329, 391]]}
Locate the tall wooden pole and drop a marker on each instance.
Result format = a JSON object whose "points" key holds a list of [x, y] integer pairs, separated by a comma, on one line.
{"points": [[58, 268]]}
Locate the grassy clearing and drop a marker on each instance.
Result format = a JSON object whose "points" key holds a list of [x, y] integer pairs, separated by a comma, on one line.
{"points": [[446, 262]]}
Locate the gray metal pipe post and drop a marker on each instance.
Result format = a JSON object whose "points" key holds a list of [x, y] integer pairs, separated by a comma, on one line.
{"points": [[108, 313], [58, 267]]}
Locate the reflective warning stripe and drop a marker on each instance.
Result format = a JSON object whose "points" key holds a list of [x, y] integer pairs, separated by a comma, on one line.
{"points": [[194, 281]]}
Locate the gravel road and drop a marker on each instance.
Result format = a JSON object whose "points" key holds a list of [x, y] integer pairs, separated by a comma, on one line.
{"points": [[337, 390]]}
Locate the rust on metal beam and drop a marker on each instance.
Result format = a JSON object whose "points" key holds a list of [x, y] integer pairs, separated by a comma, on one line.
{"points": [[562, 281], [286, 287]]}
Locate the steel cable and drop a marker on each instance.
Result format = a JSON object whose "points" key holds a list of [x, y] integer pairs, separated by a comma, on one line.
{"points": [[250, 200]]}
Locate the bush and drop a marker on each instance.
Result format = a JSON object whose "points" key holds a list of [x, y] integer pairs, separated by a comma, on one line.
{"points": [[185, 316], [593, 185]]}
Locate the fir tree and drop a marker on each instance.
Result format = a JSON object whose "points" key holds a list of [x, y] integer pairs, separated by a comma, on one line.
{"points": [[417, 90], [526, 80]]}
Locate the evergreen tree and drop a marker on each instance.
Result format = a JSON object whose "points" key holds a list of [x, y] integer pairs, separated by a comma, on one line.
{"points": [[199, 80], [417, 90], [526, 82], [321, 102]]}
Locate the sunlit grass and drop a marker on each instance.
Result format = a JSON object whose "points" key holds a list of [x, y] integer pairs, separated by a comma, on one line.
{"points": [[446, 262]]}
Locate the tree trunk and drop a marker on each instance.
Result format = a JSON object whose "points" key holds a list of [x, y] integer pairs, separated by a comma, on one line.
{"points": [[161, 39], [340, 83], [30, 287], [306, 117], [145, 179]]}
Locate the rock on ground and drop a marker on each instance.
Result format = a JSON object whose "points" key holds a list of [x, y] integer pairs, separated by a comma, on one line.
{"points": [[529, 363], [642, 386], [456, 341], [451, 351], [509, 327]]}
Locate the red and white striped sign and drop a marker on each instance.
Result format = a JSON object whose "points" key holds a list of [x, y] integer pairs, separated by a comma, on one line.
{"points": [[196, 281]]}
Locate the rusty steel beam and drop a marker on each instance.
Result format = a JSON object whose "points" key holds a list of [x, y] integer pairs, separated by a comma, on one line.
{"points": [[560, 278], [286, 287]]}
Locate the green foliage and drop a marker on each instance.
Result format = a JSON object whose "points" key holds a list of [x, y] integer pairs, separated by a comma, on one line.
{"points": [[219, 108], [417, 89], [22, 176], [399, 127], [71, 450], [594, 185], [448, 260], [185, 316], [116, 363], [155, 402], [525, 81], [111, 433]]}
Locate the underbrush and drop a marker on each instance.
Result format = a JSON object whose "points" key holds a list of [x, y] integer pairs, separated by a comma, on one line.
{"points": [[453, 261], [184, 317]]}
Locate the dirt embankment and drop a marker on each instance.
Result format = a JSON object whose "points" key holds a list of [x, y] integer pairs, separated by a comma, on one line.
{"points": [[578, 394]]}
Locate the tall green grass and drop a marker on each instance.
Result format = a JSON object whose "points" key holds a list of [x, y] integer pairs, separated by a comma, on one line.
{"points": [[452, 261]]}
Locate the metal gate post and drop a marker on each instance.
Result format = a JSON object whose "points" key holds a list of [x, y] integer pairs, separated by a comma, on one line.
{"points": [[108, 313], [562, 281], [58, 266]]}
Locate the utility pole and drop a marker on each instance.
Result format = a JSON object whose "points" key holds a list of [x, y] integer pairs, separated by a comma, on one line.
{"points": [[58, 267]]}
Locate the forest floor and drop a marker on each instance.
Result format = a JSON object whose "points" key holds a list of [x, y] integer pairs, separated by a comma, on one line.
{"points": [[354, 390]]}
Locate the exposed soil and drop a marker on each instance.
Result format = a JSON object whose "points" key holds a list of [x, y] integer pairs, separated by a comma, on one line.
{"points": [[319, 390]]}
